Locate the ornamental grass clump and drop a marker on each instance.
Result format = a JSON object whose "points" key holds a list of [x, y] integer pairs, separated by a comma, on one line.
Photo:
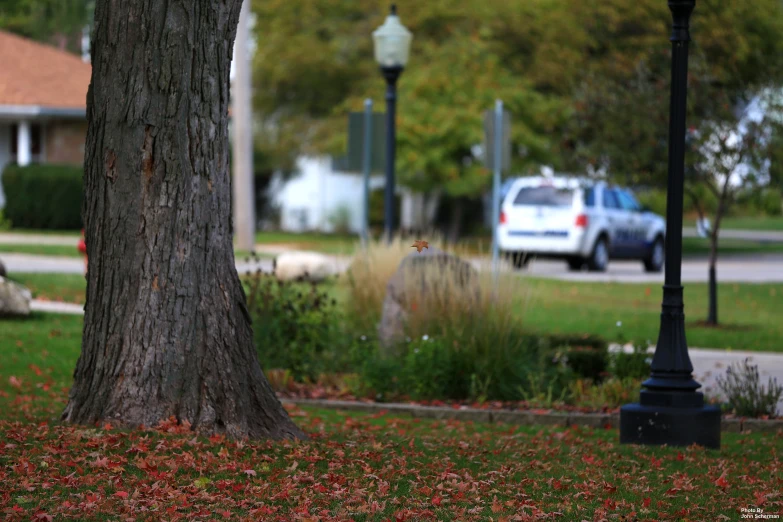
{"points": [[746, 395], [463, 337]]}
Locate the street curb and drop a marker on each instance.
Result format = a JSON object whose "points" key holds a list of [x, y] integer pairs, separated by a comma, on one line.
{"points": [[519, 417]]}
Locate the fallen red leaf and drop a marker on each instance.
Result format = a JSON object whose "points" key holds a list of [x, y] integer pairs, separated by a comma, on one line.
{"points": [[722, 482], [121, 494]]}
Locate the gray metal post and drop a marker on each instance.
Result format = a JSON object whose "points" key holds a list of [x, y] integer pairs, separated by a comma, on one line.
{"points": [[244, 193], [366, 166], [498, 152]]}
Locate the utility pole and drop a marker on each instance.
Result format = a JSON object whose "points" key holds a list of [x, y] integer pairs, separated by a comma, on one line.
{"points": [[242, 122]]}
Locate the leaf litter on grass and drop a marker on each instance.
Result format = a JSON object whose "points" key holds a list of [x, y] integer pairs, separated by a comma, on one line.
{"points": [[377, 467]]}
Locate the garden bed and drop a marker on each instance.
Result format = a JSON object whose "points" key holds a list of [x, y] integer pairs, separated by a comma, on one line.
{"points": [[507, 414]]}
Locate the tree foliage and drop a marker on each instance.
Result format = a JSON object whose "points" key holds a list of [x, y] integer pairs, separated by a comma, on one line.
{"points": [[622, 101], [315, 64], [587, 83], [57, 22]]}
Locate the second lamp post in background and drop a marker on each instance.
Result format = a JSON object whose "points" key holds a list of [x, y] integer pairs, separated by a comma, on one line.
{"points": [[392, 47]]}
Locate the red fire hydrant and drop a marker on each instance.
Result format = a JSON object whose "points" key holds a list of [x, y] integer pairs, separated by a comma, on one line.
{"points": [[82, 246]]}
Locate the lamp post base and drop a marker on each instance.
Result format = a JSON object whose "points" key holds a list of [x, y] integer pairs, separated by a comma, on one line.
{"points": [[673, 426]]}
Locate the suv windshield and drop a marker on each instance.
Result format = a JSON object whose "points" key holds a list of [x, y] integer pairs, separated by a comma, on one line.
{"points": [[544, 197]]}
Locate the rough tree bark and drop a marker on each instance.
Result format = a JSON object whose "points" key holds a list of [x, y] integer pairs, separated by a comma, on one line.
{"points": [[166, 327]]}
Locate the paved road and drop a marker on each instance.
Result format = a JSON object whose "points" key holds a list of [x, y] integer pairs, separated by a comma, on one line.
{"points": [[708, 364], [731, 269], [13, 238]]}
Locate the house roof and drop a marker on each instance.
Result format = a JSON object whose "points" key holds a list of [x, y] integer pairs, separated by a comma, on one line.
{"points": [[37, 76]]}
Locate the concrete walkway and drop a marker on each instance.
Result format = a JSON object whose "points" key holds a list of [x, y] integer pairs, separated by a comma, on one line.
{"points": [[764, 236], [709, 363], [56, 307], [10, 238]]}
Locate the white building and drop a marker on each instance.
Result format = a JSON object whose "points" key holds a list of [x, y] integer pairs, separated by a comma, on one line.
{"points": [[317, 198]]}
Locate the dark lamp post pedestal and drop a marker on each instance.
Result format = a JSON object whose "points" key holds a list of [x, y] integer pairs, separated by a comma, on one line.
{"points": [[670, 410]]}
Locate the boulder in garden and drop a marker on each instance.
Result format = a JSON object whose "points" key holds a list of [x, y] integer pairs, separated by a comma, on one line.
{"points": [[416, 272], [14, 298], [309, 266]]}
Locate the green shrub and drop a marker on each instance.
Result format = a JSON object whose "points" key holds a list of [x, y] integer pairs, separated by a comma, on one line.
{"points": [[340, 219], [634, 365], [5, 223], [43, 196], [296, 327], [611, 394], [377, 209], [435, 371], [746, 395], [771, 202], [475, 367], [589, 363], [380, 377], [655, 200]]}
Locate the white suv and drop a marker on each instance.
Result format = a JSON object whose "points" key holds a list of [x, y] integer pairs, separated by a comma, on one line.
{"points": [[582, 222]]}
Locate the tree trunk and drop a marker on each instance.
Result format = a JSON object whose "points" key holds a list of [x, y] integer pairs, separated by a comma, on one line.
{"points": [[712, 313], [166, 327]]}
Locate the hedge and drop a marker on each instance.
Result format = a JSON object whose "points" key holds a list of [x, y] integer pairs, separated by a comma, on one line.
{"points": [[43, 196]]}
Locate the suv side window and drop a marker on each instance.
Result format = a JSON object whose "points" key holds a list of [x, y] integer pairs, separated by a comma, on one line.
{"points": [[627, 201], [611, 200], [589, 197]]}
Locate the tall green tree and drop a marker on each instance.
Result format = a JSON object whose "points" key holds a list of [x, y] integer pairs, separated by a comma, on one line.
{"points": [[57, 22], [621, 105], [315, 63]]}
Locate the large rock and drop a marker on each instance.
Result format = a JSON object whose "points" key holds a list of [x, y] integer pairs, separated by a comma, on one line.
{"points": [[307, 266], [415, 271], [14, 298]]}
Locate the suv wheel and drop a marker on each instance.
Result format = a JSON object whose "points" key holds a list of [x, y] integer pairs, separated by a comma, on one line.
{"points": [[654, 261], [599, 259], [575, 263]]}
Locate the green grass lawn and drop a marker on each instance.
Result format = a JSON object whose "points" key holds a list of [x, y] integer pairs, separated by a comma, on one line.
{"points": [[41, 250], [749, 313], [770, 223], [327, 243], [71, 288], [356, 466], [72, 251], [346, 245], [43, 232], [699, 247]]}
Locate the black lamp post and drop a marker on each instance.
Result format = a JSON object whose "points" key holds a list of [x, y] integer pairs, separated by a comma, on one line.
{"points": [[670, 410], [392, 48]]}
